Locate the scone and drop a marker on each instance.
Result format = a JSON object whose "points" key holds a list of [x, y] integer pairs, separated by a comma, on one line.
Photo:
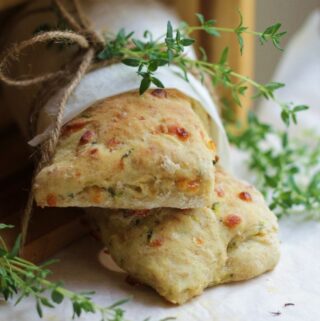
{"points": [[131, 151], [181, 252]]}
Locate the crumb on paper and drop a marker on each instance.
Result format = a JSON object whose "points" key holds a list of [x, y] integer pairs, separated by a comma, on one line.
{"points": [[275, 314]]}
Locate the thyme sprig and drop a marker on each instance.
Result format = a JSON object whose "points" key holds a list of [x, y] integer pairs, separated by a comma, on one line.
{"points": [[20, 278], [287, 169], [148, 55], [271, 33]]}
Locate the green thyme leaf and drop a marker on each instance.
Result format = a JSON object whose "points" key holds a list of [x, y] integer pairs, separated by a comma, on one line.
{"points": [[169, 30], [39, 309], [152, 66], [157, 82], [224, 56], [119, 303], [267, 90], [56, 296], [16, 247], [239, 31], [5, 226], [187, 42], [139, 44], [144, 85], [289, 112], [204, 56], [212, 31], [132, 62], [200, 18], [300, 108], [271, 33]]}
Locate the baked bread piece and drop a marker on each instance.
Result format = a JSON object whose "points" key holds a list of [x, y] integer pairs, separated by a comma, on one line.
{"points": [[131, 151], [181, 252]]}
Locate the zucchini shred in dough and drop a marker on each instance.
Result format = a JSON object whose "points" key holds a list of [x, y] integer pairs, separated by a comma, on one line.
{"points": [[179, 253], [131, 151]]}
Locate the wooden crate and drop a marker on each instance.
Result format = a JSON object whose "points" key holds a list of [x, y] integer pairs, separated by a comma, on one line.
{"points": [[53, 229]]}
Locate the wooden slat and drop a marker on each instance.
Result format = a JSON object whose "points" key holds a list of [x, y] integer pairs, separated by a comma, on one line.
{"points": [[226, 15]]}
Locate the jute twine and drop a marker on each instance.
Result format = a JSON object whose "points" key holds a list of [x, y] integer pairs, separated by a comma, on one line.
{"points": [[89, 43]]}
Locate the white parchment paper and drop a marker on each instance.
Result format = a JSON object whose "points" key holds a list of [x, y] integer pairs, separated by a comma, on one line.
{"points": [[119, 78]]}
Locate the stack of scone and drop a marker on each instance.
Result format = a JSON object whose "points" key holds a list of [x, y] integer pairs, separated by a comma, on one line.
{"points": [[167, 211]]}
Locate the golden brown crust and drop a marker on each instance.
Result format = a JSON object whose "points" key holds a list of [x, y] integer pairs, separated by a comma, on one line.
{"points": [[132, 151]]}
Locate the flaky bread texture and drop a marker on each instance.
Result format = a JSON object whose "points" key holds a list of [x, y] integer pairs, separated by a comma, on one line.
{"points": [[181, 252], [131, 151]]}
